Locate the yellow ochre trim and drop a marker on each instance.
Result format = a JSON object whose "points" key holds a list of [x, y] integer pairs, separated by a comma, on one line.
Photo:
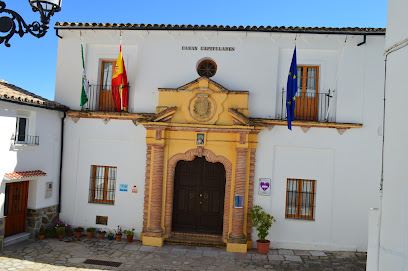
{"points": [[153, 241], [234, 247]]}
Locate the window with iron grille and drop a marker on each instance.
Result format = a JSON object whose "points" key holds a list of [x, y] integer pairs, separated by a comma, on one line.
{"points": [[300, 199], [102, 184]]}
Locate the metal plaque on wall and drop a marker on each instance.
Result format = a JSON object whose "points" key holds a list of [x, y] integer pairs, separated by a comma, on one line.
{"points": [[264, 186]]}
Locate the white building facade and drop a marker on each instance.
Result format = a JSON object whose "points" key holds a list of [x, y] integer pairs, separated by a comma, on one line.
{"points": [[30, 155], [388, 234], [318, 180]]}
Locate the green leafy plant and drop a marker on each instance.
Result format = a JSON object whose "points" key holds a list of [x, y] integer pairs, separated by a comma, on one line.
{"points": [[129, 232], [101, 231], [90, 229], [78, 229], [110, 233], [60, 229], [43, 232], [118, 231], [262, 222]]}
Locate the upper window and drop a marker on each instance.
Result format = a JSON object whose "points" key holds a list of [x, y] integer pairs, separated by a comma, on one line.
{"points": [[307, 95], [207, 68], [25, 129], [21, 129], [105, 88], [102, 184], [300, 198]]}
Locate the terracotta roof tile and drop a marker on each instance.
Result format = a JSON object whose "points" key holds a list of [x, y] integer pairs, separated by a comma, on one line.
{"points": [[10, 92], [24, 174], [289, 29]]}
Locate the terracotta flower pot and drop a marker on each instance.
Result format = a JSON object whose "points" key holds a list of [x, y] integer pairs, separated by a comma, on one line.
{"points": [[101, 235], [263, 248], [60, 236], [89, 235], [118, 237], [129, 238], [78, 234], [41, 237]]}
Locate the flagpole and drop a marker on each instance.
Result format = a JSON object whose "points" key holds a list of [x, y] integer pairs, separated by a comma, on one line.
{"points": [[120, 87]]}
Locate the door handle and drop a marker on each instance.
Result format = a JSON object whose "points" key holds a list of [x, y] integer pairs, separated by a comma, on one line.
{"points": [[201, 195], [201, 202], [191, 195]]}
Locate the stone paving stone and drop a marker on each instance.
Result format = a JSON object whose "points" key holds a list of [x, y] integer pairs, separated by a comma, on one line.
{"points": [[276, 257], [293, 258], [317, 253], [147, 248], [301, 252], [211, 253], [177, 250], [63, 255], [273, 252], [285, 252], [259, 257]]}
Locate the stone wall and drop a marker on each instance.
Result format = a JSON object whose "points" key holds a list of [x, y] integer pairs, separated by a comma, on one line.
{"points": [[40, 219], [2, 228]]}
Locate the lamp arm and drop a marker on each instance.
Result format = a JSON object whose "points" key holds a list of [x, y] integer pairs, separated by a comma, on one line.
{"points": [[16, 25]]}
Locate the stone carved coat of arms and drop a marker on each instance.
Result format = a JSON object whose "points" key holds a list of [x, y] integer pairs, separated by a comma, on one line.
{"points": [[202, 108]]}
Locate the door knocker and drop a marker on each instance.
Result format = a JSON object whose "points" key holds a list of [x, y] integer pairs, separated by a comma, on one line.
{"points": [[191, 195]]}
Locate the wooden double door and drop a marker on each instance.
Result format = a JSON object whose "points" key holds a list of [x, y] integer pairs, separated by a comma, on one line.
{"points": [[15, 207], [199, 191]]}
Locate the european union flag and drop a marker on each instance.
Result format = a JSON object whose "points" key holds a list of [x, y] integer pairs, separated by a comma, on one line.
{"points": [[291, 90]]}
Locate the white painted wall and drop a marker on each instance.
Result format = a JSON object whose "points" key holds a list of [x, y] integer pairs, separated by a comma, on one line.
{"points": [[393, 244], [46, 156], [346, 167], [91, 142]]}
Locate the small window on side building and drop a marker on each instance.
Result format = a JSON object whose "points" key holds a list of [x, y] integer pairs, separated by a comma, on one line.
{"points": [[300, 199], [102, 184]]}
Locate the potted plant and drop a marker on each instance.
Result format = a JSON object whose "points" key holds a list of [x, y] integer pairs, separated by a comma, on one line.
{"points": [[90, 232], [69, 230], [60, 229], [101, 234], [262, 222], [41, 234], [118, 233], [78, 232], [110, 235], [129, 234]]}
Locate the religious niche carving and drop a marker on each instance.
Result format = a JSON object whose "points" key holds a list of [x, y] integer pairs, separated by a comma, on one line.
{"points": [[202, 107]]}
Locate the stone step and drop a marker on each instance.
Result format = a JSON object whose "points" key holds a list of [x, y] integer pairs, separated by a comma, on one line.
{"points": [[14, 239], [195, 240]]}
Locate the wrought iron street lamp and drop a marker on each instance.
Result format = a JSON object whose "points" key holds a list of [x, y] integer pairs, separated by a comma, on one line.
{"points": [[14, 23]]}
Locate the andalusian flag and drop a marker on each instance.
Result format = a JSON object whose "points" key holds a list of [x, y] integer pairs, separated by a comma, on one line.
{"points": [[291, 90], [120, 84], [85, 86]]}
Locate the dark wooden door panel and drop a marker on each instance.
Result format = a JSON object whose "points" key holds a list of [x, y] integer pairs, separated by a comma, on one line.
{"points": [[199, 189], [15, 207]]}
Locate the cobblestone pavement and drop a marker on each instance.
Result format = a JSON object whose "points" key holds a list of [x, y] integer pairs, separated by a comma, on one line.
{"points": [[70, 254]]}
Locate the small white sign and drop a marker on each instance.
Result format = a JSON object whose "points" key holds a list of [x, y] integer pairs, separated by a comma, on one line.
{"points": [[264, 186]]}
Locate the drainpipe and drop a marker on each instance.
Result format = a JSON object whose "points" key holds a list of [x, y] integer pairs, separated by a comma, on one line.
{"points": [[397, 46], [60, 169]]}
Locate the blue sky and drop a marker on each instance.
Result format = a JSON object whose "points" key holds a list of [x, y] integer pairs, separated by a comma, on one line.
{"points": [[30, 63]]}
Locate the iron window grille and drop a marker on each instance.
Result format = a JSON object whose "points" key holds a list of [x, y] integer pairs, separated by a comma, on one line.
{"points": [[102, 184], [300, 199]]}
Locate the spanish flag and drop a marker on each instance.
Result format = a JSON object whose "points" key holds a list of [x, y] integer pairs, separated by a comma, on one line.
{"points": [[120, 84]]}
